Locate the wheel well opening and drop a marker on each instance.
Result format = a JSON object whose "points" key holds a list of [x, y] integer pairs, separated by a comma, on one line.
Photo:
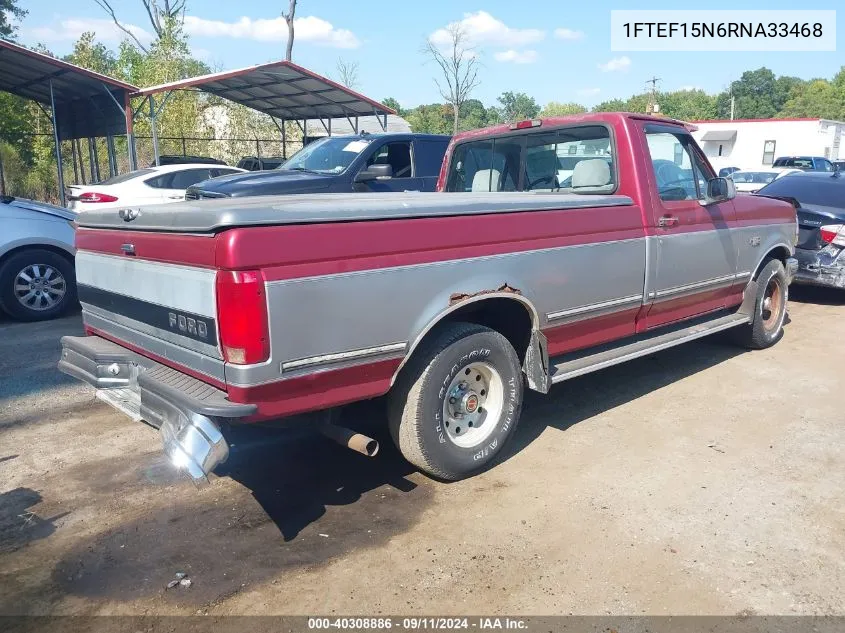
{"points": [[40, 247], [508, 317], [780, 253]]}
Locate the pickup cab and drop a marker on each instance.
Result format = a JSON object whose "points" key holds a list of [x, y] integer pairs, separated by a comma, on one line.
{"points": [[361, 163], [554, 248]]}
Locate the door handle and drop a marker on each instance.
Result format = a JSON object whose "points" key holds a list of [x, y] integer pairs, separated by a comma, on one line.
{"points": [[667, 221], [176, 197]]}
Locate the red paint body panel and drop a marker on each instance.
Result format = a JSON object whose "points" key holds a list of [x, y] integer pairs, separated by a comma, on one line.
{"points": [[588, 332], [290, 252], [169, 248], [321, 390]]}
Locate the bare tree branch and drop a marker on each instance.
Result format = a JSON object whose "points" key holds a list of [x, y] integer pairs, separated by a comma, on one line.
{"points": [[458, 62], [347, 73], [104, 4], [289, 16]]}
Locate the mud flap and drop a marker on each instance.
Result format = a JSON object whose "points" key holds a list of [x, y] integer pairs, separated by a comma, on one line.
{"points": [[536, 365], [749, 300]]}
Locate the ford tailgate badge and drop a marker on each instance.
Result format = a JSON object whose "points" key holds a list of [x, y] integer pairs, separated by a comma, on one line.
{"points": [[127, 215]]}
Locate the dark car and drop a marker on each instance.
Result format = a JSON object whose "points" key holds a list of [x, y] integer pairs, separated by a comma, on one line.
{"points": [[804, 163], [179, 159], [259, 163], [820, 200], [338, 164]]}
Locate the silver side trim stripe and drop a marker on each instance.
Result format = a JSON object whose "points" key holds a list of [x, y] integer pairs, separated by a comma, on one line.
{"points": [[356, 354], [594, 307], [725, 280]]}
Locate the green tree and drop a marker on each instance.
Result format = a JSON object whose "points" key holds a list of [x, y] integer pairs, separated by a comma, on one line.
{"points": [[393, 104], [474, 115], [687, 105], [436, 118], [554, 108], [93, 55], [516, 106], [9, 10], [612, 105]]}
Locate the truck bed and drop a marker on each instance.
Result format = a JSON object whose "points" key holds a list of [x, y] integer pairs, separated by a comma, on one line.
{"points": [[213, 215]]}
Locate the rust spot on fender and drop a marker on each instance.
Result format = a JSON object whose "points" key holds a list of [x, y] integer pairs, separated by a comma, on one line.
{"points": [[457, 297]]}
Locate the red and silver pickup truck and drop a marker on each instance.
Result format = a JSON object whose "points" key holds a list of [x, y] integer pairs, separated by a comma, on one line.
{"points": [[554, 248]]}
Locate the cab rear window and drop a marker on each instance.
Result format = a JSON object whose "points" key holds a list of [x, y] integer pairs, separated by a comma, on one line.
{"points": [[572, 159]]}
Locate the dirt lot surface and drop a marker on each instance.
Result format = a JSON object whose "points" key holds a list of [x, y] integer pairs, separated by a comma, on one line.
{"points": [[701, 480]]}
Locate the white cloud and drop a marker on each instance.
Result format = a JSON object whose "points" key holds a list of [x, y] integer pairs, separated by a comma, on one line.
{"points": [[72, 28], [569, 34], [617, 63], [483, 28], [517, 57], [308, 29], [588, 92]]}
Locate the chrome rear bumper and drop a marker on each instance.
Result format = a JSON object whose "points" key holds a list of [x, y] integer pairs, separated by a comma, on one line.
{"points": [[186, 410]]}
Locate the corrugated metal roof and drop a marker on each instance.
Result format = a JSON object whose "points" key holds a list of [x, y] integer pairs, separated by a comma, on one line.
{"points": [[282, 90]]}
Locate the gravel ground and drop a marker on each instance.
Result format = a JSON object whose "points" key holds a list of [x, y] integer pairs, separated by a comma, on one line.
{"points": [[700, 480]]}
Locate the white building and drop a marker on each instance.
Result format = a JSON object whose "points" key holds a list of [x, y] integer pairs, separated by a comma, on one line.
{"points": [[756, 143]]}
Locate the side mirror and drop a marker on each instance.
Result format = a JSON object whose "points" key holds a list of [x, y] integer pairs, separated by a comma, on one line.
{"points": [[719, 190], [374, 172]]}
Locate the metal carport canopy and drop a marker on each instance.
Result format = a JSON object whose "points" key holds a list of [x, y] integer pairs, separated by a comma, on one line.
{"points": [[83, 104], [282, 90]]}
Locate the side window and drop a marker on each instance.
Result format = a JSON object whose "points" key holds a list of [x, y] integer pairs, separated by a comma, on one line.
{"points": [[489, 165], [160, 182], [673, 166], [578, 159], [184, 179], [828, 166], [222, 172], [397, 155]]}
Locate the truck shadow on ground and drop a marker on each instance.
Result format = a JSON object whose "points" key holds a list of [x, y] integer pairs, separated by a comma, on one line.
{"points": [[817, 294], [304, 501], [582, 398]]}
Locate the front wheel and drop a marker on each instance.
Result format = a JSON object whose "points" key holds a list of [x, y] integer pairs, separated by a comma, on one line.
{"points": [[457, 402], [766, 327]]}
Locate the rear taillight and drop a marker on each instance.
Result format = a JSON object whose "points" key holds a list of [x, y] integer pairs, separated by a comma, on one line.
{"points": [[242, 317], [833, 234], [93, 196]]}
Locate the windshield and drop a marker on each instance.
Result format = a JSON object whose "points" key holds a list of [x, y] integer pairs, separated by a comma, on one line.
{"points": [[327, 156], [757, 177]]}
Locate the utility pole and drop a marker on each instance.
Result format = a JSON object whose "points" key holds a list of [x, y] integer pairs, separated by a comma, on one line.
{"points": [[653, 106], [733, 102]]}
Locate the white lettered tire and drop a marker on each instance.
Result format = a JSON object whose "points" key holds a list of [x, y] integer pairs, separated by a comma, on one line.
{"points": [[457, 402]]}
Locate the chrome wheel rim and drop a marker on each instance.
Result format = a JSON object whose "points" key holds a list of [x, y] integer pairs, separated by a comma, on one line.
{"points": [[39, 287], [771, 310], [473, 406]]}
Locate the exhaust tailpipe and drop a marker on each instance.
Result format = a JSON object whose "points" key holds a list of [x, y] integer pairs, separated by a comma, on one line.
{"points": [[347, 437]]}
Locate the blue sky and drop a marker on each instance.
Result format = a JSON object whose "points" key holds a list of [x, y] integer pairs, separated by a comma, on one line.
{"points": [[551, 49]]}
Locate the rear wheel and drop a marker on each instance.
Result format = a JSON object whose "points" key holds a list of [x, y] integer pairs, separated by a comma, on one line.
{"points": [[36, 285], [457, 402], [766, 327]]}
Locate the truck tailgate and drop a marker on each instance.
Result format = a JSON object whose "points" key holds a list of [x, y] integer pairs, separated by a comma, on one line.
{"points": [[166, 310]]}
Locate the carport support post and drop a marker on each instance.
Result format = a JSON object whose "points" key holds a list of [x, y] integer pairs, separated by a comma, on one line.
{"points": [[130, 132], [112, 158], [59, 170], [153, 129]]}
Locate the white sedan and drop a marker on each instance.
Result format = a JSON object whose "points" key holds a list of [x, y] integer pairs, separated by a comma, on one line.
{"points": [[752, 180], [154, 185]]}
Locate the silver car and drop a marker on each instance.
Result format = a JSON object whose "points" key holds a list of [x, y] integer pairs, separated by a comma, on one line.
{"points": [[37, 280]]}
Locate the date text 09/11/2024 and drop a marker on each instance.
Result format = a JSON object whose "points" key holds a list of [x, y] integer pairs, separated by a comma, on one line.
{"points": [[418, 623]]}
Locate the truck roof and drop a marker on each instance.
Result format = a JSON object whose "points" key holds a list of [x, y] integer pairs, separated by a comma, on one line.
{"points": [[586, 117]]}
